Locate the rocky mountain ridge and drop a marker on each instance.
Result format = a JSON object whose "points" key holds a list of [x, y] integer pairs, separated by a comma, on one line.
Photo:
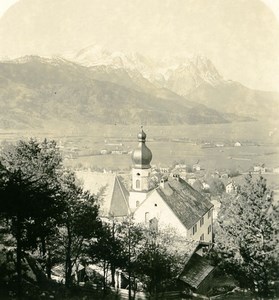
{"points": [[192, 77], [168, 72]]}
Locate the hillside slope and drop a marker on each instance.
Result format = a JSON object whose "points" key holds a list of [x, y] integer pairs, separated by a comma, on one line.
{"points": [[35, 92]]}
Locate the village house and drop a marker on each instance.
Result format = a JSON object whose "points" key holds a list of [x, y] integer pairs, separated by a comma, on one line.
{"points": [[196, 167], [205, 186], [259, 168], [180, 166], [191, 180], [164, 170], [237, 144], [104, 151], [231, 187], [180, 169], [198, 272]]}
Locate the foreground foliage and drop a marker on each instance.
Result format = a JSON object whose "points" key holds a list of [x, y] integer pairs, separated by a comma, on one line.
{"points": [[43, 206], [28, 193], [247, 236]]}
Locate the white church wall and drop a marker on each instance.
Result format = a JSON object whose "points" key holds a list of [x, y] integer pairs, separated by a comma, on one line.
{"points": [[136, 198], [155, 207]]}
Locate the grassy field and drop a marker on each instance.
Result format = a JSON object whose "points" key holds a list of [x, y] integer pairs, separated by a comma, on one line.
{"points": [[166, 153], [260, 144]]}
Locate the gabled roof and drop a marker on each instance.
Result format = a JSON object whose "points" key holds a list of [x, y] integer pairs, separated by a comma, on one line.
{"points": [[186, 203], [112, 193], [230, 183], [119, 205], [182, 245], [196, 270]]}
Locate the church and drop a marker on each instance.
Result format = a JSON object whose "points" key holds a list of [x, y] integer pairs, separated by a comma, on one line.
{"points": [[172, 204]]}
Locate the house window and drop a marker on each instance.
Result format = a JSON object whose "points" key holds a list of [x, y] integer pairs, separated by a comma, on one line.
{"points": [[202, 237], [146, 217], [195, 227], [137, 203], [209, 229], [209, 214], [201, 222], [137, 184]]}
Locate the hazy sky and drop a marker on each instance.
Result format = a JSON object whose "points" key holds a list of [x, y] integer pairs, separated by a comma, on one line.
{"points": [[241, 37], [5, 4], [273, 4]]}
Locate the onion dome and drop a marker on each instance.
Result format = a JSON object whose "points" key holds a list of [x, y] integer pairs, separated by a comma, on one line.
{"points": [[142, 155]]}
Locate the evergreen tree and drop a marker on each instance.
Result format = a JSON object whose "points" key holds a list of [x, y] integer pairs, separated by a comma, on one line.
{"points": [[28, 189], [247, 235], [80, 222]]}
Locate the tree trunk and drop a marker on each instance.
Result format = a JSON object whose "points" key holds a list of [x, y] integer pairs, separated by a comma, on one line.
{"points": [[134, 287], [19, 256], [112, 275], [112, 267], [68, 269], [48, 265], [43, 241], [105, 278], [129, 263], [265, 286]]}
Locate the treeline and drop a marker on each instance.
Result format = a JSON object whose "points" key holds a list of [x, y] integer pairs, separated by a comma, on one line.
{"points": [[47, 213]]}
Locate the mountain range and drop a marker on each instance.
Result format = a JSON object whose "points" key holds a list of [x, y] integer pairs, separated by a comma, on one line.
{"points": [[95, 85], [239, 37], [194, 78]]}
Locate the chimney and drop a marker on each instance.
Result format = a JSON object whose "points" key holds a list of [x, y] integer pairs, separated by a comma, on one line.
{"points": [[163, 182], [175, 176]]}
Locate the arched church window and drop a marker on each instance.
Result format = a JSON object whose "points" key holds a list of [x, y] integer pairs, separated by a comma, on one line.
{"points": [[137, 184]]}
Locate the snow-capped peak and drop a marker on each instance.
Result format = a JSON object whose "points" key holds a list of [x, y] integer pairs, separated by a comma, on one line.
{"points": [[194, 69]]}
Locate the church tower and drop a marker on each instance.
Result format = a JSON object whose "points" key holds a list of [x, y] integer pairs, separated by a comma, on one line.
{"points": [[141, 158]]}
